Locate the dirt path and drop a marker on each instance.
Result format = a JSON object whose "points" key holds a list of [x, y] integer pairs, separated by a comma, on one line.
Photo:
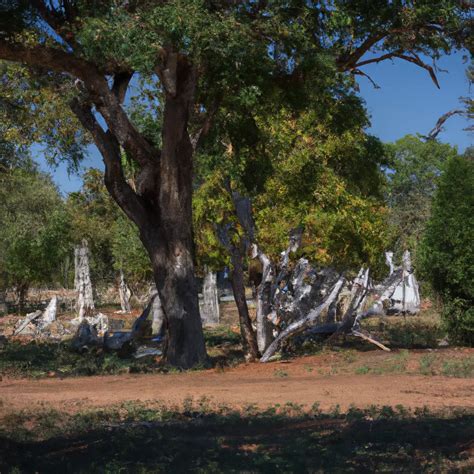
{"points": [[263, 385]]}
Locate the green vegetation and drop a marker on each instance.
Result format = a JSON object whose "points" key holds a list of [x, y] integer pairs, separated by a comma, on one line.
{"points": [[152, 437], [415, 169], [56, 360], [447, 253], [34, 230]]}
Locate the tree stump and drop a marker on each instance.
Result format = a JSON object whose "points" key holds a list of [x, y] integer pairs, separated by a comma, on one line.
{"points": [[210, 303], [82, 282]]}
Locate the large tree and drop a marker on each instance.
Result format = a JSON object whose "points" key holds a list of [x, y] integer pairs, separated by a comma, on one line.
{"points": [[199, 57]]}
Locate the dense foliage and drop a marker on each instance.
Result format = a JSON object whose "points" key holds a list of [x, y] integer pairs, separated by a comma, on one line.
{"points": [[307, 170], [414, 170], [34, 230], [447, 253]]}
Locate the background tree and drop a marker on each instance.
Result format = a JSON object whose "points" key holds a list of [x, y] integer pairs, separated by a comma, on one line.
{"points": [[447, 254], [34, 231], [201, 56], [93, 213], [414, 170], [114, 241], [129, 255]]}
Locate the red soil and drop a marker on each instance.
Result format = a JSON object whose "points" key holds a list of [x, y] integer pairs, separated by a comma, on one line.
{"points": [[299, 381]]}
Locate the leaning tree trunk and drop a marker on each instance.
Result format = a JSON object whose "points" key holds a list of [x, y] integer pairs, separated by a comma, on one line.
{"points": [[249, 341], [82, 282], [237, 251]]}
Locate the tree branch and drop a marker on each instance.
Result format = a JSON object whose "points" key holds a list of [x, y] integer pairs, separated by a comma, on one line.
{"points": [[439, 124], [196, 139], [105, 100], [415, 59], [131, 203], [120, 84], [302, 324], [347, 61], [362, 73], [376, 60], [51, 58]]}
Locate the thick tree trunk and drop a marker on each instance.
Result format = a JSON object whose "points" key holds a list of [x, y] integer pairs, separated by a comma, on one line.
{"points": [[249, 341], [177, 289], [160, 204], [168, 235]]}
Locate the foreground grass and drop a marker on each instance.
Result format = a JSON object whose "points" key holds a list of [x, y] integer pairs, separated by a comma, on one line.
{"points": [[196, 437]]}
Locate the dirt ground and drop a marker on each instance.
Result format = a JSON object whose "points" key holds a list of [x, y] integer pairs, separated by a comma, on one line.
{"points": [[305, 380]]}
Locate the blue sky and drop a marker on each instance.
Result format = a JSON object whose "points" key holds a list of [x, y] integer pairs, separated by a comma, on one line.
{"points": [[407, 103]]}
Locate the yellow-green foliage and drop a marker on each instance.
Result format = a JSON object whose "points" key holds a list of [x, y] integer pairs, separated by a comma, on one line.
{"points": [[213, 207], [343, 218]]}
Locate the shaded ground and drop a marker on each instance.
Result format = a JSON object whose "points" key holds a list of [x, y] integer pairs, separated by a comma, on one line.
{"points": [[139, 438]]}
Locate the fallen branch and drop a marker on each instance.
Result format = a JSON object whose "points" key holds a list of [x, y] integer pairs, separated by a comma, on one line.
{"points": [[369, 338], [29, 318]]}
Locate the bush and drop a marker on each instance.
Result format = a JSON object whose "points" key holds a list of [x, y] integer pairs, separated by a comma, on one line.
{"points": [[446, 256], [458, 317]]}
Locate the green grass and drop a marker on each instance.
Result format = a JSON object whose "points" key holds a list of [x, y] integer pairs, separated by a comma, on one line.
{"points": [[197, 437], [460, 368], [220, 335], [364, 369], [410, 332], [427, 363]]}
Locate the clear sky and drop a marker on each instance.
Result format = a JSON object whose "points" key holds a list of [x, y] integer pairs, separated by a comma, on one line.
{"points": [[407, 102]]}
